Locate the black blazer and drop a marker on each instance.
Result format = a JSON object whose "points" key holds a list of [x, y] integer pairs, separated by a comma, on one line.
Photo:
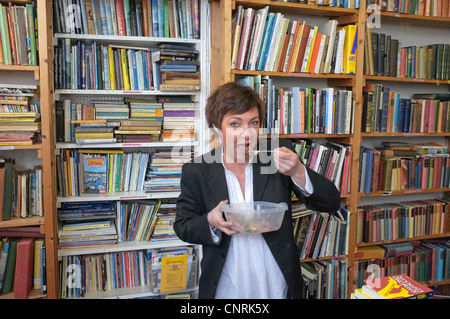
{"points": [[203, 186]]}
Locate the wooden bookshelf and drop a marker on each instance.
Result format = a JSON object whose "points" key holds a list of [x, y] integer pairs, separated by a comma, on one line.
{"points": [[221, 54], [42, 74]]}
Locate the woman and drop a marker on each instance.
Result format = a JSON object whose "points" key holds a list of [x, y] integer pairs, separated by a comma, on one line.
{"points": [[241, 265]]}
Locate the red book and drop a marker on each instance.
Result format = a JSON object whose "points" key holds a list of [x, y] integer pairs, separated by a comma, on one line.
{"points": [[121, 29], [313, 62], [302, 48], [395, 287], [23, 276]]}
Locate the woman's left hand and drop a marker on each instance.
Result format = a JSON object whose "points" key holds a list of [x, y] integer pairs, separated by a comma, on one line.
{"points": [[288, 163]]}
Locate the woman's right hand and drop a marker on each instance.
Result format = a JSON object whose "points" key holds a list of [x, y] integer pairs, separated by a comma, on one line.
{"points": [[216, 220]]}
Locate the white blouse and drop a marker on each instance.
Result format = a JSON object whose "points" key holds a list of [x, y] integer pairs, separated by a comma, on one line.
{"points": [[250, 270]]}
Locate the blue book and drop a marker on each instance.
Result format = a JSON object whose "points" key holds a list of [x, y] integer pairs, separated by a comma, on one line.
{"points": [[145, 68], [396, 111], [368, 168], [261, 60], [135, 69], [160, 11], [407, 121], [103, 17]]}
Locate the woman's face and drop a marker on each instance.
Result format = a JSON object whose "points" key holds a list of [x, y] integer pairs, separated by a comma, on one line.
{"points": [[239, 133]]}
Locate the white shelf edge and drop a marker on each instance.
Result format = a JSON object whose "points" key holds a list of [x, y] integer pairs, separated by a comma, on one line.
{"points": [[129, 292], [118, 196], [123, 92], [125, 246], [125, 39], [62, 145]]}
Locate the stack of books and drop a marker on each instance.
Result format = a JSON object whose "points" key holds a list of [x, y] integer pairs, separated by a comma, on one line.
{"points": [[86, 224], [164, 174], [178, 66], [138, 131], [18, 33], [107, 111], [178, 122], [93, 132], [19, 119], [163, 230], [392, 287]]}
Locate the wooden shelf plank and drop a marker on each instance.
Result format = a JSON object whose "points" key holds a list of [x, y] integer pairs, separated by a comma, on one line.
{"points": [[20, 222]]}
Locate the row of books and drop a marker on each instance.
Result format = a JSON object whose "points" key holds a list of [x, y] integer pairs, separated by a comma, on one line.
{"points": [[22, 265], [20, 191], [137, 220], [331, 160], [91, 66], [376, 223], [321, 234], [291, 110], [145, 18], [100, 171], [386, 56], [268, 41], [325, 279], [84, 275], [385, 111], [86, 224], [432, 8], [422, 261], [164, 173], [146, 221], [351, 4], [18, 34], [387, 173]]}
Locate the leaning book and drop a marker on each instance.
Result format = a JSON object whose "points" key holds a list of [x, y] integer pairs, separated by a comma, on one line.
{"points": [[95, 175]]}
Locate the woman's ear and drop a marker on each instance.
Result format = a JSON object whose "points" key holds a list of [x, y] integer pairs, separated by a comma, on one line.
{"points": [[217, 132]]}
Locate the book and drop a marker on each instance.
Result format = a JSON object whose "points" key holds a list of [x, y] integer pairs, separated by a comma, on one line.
{"points": [[95, 175], [23, 277], [396, 287]]}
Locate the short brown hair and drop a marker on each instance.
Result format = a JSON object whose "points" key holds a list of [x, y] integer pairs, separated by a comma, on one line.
{"points": [[232, 98]]}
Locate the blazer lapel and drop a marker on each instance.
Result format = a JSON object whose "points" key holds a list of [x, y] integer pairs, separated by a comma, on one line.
{"points": [[217, 181]]}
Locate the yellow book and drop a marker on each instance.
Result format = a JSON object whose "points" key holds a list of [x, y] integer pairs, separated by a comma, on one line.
{"points": [[94, 135], [174, 273], [350, 44], [112, 75], [16, 143], [126, 76]]}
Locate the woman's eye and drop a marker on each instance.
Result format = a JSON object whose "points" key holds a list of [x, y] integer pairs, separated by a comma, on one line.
{"points": [[234, 124], [255, 123]]}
